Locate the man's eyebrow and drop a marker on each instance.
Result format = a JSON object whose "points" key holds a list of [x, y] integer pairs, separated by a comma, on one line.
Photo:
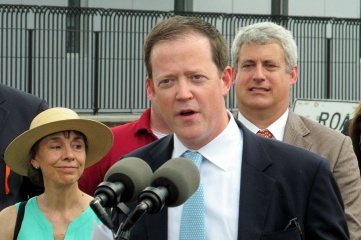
{"points": [[246, 60]]}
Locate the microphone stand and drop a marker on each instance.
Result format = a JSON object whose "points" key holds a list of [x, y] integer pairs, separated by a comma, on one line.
{"points": [[124, 228], [151, 201], [104, 215], [106, 196]]}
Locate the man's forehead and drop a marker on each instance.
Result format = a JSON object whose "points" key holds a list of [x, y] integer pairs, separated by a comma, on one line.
{"points": [[267, 51]]}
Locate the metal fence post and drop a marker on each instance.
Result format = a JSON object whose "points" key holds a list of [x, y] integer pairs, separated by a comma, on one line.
{"points": [[328, 60], [30, 59], [30, 29], [96, 73]]}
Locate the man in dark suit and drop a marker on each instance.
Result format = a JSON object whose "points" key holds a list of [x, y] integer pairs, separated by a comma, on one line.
{"points": [[252, 186], [17, 110]]}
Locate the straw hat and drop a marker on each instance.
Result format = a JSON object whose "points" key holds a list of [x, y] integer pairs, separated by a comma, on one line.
{"points": [[52, 120]]}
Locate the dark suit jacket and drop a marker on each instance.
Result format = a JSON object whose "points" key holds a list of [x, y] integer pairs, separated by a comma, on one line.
{"points": [[17, 110], [278, 182], [338, 150]]}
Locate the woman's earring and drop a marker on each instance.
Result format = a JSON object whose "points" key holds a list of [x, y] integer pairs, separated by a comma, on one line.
{"points": [[36, 167]]}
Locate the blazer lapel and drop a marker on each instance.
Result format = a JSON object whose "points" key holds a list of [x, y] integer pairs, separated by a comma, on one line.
{"points": [[296, 131], [256, 186], [158, 223]]}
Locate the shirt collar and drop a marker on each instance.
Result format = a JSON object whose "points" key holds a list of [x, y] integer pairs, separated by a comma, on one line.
{"points": [[277, 128], [226, 142], [144, 122]]}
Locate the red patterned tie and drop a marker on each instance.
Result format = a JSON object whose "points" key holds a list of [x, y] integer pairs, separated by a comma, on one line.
{"points": [[265, 133]]}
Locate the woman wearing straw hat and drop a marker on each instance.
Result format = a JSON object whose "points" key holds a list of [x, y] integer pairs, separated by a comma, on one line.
{"points": [[53, 153]]}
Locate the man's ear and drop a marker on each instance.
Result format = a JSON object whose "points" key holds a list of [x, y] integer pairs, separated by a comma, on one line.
{"points": [[150, 88], [294, 75], [234, 74], [227, 79]]}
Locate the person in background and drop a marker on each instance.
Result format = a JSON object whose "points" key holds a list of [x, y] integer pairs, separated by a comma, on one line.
{"points": [[265, 68], [352, 128], [17, 110], [53, 153], [251, 187], [127, 137]]}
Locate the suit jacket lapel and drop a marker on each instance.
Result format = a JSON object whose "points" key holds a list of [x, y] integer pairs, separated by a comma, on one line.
{"points": [[296, 131], [161, 153], [158, 223], [256, 186]]}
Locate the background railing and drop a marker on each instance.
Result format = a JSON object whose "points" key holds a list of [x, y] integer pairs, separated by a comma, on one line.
{"points": [[91, 60]]}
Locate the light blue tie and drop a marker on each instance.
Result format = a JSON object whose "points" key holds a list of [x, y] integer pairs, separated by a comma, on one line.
{"points": [[192, 224]]}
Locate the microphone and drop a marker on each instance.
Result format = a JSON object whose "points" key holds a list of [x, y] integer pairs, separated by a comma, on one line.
{"points": [[123, 183], [171, 185]]}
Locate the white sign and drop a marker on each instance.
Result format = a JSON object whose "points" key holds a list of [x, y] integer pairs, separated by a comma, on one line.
{"points": [[331, 113]]}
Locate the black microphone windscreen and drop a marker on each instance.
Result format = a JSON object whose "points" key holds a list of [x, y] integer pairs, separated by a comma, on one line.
{"points": [[180, 176], [134, 173]]}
